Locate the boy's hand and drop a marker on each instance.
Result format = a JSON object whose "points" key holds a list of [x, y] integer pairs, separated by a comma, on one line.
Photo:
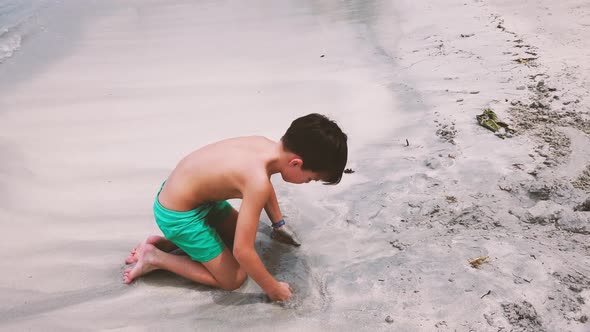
{"points": [[285, 235], [281, 293]]}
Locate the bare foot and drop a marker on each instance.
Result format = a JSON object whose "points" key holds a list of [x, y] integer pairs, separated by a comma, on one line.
{"points": [[152, 239], [145, 254]]}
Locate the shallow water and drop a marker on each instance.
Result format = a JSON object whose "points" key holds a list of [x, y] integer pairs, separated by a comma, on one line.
{"points": [[16, 17]]}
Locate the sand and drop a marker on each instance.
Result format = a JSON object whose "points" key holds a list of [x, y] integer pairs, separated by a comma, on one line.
{"points": [[96, 110]]}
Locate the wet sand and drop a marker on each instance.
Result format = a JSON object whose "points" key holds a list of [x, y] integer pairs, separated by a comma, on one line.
{"points": [[88, 136]]}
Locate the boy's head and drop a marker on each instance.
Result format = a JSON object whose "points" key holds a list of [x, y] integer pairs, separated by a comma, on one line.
{"points": [[321, 146]]}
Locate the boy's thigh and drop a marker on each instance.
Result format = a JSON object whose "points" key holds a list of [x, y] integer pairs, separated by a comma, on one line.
{"points": [[226, 270], [227, 228]]}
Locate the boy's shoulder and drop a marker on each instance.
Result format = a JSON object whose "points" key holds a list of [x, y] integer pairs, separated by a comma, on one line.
{"points": [[242, 148], [255, 177], [254, 139], [256, 188], [251, 152]]}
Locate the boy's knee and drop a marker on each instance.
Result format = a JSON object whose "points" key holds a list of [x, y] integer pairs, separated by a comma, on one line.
{"points": [[237, 282], [240, 279]]}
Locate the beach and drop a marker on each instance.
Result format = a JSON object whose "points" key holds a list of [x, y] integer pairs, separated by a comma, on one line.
{"points": [[100, 100]]}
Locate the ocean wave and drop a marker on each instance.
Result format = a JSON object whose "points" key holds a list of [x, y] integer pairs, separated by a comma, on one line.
{"points": [[9, 43], [17, 19]]}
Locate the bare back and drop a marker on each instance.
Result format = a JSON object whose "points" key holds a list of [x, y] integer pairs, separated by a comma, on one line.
{"points": [[218, 171]]}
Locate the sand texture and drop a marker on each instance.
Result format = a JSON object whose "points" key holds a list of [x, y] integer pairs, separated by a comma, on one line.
{"points": [[100, 100]]}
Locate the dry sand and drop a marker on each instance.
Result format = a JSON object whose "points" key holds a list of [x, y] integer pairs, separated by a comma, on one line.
{"points": [[96, 111]]}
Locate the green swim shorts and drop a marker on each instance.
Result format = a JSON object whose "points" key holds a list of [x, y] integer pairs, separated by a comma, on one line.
{"points": [[192, 230]]}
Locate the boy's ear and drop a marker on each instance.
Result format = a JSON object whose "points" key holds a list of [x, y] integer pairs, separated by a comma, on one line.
{"points": [[296, 162]]}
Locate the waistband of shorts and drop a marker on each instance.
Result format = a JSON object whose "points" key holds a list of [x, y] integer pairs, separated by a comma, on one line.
{"points": [[199, 212]]}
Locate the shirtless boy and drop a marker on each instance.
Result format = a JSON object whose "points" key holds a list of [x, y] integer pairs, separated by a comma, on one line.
{"points": [[192, 213]]}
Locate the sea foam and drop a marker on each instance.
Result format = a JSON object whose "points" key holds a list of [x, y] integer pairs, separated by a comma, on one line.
{"points": [[17, 19]]}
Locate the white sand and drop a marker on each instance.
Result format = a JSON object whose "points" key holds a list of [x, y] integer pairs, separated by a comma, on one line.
{"points": [[88, 133]]}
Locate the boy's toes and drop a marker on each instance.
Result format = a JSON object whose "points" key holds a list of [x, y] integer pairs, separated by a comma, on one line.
{"points": [[132, 258], [126, 277]]}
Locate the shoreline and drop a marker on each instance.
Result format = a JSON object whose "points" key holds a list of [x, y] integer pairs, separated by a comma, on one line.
{"points": [[46, 36]]}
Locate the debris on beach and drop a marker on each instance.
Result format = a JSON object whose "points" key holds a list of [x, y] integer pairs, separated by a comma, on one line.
{"points": [[583, 181], [398, 245], [451, 199], [389, 319], [488, 119], [446, 132], [520, 280], [477, 262], [525, 61], [349, 171], [440, 325]]}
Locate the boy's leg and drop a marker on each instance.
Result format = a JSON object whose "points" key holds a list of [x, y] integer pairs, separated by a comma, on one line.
{"points": [[227, 229], [222, 271], [226, 270], [160, 242], [150, 258]]}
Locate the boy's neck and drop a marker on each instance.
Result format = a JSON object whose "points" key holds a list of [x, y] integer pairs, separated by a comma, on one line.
{"points": [[279, 159]]}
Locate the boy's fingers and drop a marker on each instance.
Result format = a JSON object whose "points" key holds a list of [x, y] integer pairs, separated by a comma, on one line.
{"points": [[286, 235], [285, 239]]}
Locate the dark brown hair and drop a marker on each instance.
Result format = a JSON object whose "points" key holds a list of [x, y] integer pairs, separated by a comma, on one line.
{"points": [[320, 143]]}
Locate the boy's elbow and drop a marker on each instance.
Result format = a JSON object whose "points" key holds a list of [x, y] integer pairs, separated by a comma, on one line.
{"points": [[242, 253]]}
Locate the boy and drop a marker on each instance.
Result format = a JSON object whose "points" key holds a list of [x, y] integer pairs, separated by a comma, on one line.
{"points": [[191, 210]]}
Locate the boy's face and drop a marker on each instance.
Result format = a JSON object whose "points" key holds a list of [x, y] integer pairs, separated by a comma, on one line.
{"points": [[295, 173]]}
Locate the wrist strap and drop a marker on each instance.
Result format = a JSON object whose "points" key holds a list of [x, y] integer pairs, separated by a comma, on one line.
{"points": [[278, 223]]}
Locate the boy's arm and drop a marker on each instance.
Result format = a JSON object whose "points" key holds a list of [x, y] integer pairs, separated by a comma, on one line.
{"points": [[253, 202], [272, 207], [281, 233]]}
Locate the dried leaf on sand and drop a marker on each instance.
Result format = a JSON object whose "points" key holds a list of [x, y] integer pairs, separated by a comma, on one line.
{"points": [[477, 262]]}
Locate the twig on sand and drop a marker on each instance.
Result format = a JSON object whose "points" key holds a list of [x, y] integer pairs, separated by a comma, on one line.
{"points": [[524, 61], [407, 142], [526, 280], [486, 294], [518, 166], [533, 77]]}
